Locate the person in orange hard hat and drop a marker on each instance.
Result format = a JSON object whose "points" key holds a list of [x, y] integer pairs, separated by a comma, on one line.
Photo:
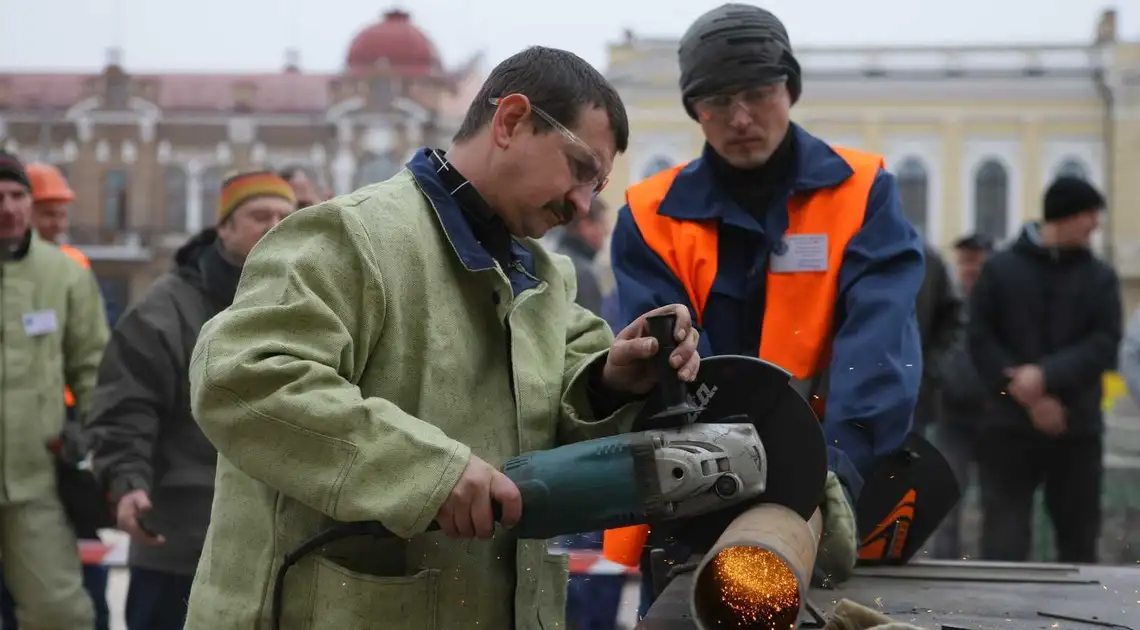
{"points": [[51, 199]]}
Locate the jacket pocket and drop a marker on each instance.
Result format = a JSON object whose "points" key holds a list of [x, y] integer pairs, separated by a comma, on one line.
{"points": [[552, 586], [346, 600]]}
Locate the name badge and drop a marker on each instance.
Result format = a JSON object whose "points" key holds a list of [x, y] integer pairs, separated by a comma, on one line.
{"points": [[40, 323], [801, 252]]}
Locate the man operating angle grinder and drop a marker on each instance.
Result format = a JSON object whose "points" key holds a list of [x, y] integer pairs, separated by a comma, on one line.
{"points": [[754, 440]]}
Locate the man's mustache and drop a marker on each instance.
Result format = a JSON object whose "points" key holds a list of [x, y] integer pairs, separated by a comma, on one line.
{"points": [[563, 210]]}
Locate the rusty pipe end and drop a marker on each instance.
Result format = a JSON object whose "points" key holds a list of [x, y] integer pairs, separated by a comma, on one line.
{"points": [[757, 575]]}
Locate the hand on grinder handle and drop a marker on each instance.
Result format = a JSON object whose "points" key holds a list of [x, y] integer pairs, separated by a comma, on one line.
{"points": [[631, 364], [478, 499]]}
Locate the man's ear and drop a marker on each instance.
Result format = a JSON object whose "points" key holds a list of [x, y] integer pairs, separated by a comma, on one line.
{"points": [[510, 119]]}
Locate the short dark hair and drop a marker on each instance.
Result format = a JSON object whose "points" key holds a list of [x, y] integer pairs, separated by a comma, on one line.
{"points": [[974, 243], [558, 82]]}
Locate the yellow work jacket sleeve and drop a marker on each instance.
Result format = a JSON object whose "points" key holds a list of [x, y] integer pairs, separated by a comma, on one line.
{"points": [[274, 382], [85, 336], [585, 334]]}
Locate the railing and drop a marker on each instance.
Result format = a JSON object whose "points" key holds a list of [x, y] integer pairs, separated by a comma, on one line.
{"points": [[102, 242]]}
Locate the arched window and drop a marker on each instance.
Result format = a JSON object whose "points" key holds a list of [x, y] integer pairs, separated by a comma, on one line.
{"points": [[914, 190], [174, 200], [655, 165], [114, 201], [375, 168], [1072, 167], [991, 200], [212, 179]]}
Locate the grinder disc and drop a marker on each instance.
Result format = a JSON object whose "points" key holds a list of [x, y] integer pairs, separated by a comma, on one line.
{"points": [[732, 388]]}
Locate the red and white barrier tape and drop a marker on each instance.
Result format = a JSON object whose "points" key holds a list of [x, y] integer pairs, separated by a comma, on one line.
{"points": [[582, 561]]}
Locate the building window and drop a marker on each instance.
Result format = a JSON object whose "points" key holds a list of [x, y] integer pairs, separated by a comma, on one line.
{"points": [[655, 165], [211, 191], [174, 183], [376, 168], [991, 200], [115, 200], [1072, 167], [116, 293], [118, 91], [914, 190]]}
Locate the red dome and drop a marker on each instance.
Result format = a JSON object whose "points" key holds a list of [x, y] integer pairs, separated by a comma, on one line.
{"points": [[394, 40]]}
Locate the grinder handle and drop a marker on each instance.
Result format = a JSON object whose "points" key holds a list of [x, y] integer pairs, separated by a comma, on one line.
{"points": [[674, 392]]}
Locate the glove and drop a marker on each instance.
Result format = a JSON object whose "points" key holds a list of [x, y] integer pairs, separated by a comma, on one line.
{"points": [[849, 615], [838, 544]]}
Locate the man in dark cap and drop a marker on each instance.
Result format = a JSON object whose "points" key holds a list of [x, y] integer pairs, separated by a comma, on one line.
{"points": [[785, 247], [1045, 324], [52, 334]]}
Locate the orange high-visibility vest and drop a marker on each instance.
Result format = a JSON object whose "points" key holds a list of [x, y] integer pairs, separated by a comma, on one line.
{"points": [[799, 307], [81, 258]]}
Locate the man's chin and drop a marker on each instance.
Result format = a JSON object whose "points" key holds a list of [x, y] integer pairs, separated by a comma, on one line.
{"points": [[744, 157]]}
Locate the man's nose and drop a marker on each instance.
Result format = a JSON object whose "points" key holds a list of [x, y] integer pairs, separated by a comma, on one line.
{"points": [[581, 197], [740, 117]]}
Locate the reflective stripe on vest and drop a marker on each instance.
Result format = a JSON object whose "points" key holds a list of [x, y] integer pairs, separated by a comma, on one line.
{"points": [[79, 257], [800, 306], [76, 255]]}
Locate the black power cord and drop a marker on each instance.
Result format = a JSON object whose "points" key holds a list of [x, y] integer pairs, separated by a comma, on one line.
{"points": [[322, 538]]}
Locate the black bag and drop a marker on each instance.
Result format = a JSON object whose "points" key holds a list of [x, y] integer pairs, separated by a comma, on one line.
{"points": [[84, 500]]}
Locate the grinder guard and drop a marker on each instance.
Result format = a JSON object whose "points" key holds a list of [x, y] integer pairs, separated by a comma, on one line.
{"points": [[731, 389]]}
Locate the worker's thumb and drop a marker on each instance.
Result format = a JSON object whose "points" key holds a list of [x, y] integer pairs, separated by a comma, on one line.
{"points": [[506, 494]]}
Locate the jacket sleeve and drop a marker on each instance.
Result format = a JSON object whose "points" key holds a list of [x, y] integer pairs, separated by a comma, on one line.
{"points": [[273, 381], [1129, 361], [588, 340], [876, 365], [945, 317], [137, 380], [960, 384], [990, 355], [85, 337], [1085, 362], [644, 281]]}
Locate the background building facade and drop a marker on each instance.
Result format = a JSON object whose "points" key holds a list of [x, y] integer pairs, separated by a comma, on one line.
{"points": [[974, 134], [146, 153]]}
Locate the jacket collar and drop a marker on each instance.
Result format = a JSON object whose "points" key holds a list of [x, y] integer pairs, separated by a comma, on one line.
{"points": [[455, 222], [695, 196]]}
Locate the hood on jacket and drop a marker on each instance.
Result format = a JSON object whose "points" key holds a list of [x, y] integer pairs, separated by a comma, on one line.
{"points": [[200, 262], [191, 252], [1031, 242]]}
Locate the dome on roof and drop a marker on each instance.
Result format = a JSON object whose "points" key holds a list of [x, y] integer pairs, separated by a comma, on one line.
{"points": [[396, 41]]}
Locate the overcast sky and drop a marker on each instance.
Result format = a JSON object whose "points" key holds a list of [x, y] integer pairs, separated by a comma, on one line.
{"points": [[239, 35]]}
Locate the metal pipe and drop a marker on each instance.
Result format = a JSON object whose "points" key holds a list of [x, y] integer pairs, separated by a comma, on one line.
{"points": [[757, 575]]}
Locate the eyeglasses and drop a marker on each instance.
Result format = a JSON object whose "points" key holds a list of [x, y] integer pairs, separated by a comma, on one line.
{"points": [[586, 169], [721, 107]]}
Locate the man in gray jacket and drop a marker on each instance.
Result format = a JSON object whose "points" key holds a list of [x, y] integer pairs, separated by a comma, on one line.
{"points": [[149, 452]]}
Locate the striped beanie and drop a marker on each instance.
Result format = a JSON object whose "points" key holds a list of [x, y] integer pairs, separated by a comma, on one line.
{"points": [[242, 186]]}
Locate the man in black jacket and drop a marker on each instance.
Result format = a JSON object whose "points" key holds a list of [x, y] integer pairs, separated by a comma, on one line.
{"points": [[1045, 323], [149, 452], [937, 309], [962, 396]]}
